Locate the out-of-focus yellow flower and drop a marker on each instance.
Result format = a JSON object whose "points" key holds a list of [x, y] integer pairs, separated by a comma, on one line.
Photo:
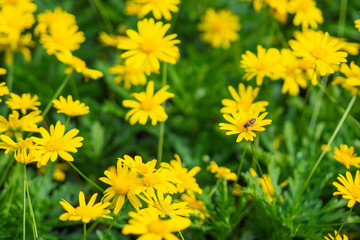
{"points": [[27, 123], [221, 172], [293, 76], [219, 28], [258, 4], [244, 123], [237, 190], [4, 90], [110, 40], [306, 13], [59, 31], [159, 8], [148, 105], [323, 146], [346, 156], [357, 24], [59, 172], [280, 8], [265, 64], [70, 107], [320, 49], [196, 205], [146, 47], [244, 97], [351, 81], [132, 8], [349, 47], [128, 74], [84, 212], [23, 102], [78, 65]]}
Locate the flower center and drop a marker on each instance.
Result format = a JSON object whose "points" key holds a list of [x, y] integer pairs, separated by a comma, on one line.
{"points": [[262, 65], [148, 46], [319, 53], [151, 179], [219, 27], [121, 185], [54, 144], [147, 105], [84, 211], [355, 191], [157, 227]]}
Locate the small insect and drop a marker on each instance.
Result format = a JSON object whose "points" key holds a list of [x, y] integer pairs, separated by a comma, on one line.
{"points": [[249, 123]]}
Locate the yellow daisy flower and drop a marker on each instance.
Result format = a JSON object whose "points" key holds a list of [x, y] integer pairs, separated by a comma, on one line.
{"points": [[132, 8], [244, 97], [306, 13], [14, 124], [57, 143], [266, 184], [221, 172], [148, 105], [110, 40], [123, 182], [219, 28], [128, 74], [159, 8], [26, 155], [336, 236], [137, 164], [244, 123], [351, 81], [196, 205], [265, 64], [84, 212], [146, 47], [147, 223], [4, 90], [187, 178], [293, 76], [161, 180], [47, 18], [70, 107], [23, 102], [280, 9], [346, 156], [357, 24], [349, 188], [320, 49]]}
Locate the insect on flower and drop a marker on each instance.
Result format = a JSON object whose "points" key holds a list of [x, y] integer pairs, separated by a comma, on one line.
{"points": [[249, 123]]}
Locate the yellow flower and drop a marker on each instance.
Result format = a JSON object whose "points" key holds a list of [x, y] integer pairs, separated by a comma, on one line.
{"points": [[59, 172], [351, 81], [136, 164], [24, 150], [357, 24], [148, 105], [265, 64], [306, 13], [132, 8], [244, 123], [27, 155], [123, 182], [219, 28], [78, 65], [346, 156], [161, 180], [237, 190], [57, 143], [24, 5], [349, 47], [147, 223], [159, 8], [59, 31], [293, 76], [349, 188], [146, 47], [3, 71], [266, 184], [128, 74], [187, 180], [28, 123], [196, 205], [23, 103], [258, 4], [336, 236], [84, 212], [244, 97], [4, 90], [280, 8], [221, 172], [320, 49], [70, 107], [18, 19], [110, 40], [165, 205]]}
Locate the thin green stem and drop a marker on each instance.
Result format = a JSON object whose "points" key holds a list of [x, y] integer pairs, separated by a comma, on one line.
{"points": [[162, 124], [91, 228], [86, 178], [111, 225], [104, 16], [342, 18], [57, 93], [342, 225], [341, 122], [41, 183], [84, 231], [24, 204], [242, 160], [67, 122], [214, 188], [317, 107], [30, 205], [7, 169]]}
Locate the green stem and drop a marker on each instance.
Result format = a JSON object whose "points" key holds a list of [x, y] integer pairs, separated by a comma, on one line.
{"points": [[67, 122], [341, 122], [162, 124], [111, 225], [7, 169], [214, 188], [48, 166], [342, 18], [57, 93], [342, 225], [84, 231], [242, 160], [24, 204], [86, 178], [30, 205], [103, 14], [317, 108]]}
